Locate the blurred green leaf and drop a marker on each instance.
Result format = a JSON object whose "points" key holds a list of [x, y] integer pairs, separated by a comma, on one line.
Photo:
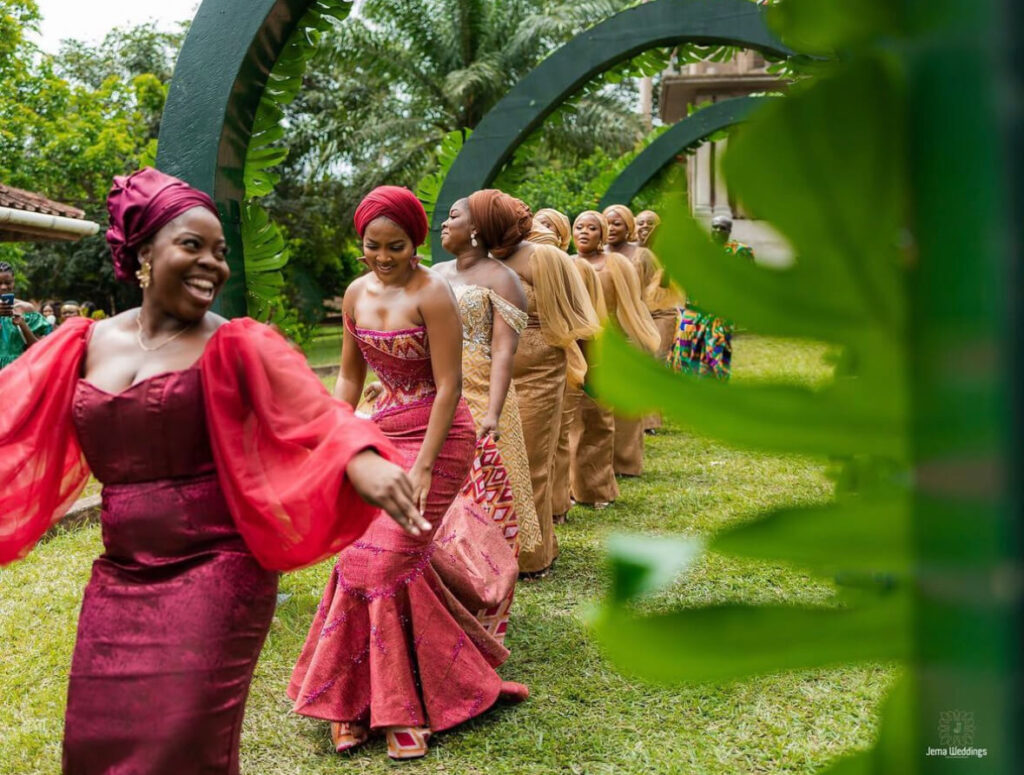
{"points": [[840, 420], [865, 532], [729, 642], [641, 565], [829, 26]]}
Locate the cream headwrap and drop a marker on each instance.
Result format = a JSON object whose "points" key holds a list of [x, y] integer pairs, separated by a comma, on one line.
{"points": [[559, 224], [626, 215], [601, 221]]}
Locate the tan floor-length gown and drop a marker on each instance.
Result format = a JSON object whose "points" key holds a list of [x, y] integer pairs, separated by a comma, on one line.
{"points": [[539, 376]]}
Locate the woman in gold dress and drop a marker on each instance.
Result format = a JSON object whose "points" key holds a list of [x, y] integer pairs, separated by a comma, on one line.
{"points": [[493, 307], [547, 360], [663, 301], [593, 436]]}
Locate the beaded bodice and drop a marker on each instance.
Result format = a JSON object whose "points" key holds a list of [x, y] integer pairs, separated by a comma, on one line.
{"points": [[477, 306], [401, 361]]}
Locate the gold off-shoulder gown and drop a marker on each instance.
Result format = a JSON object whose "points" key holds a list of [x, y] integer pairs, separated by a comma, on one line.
{"points": [[477, 306]]}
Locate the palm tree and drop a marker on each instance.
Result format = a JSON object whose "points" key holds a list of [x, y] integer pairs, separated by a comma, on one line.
{"points": [[401, 74]]}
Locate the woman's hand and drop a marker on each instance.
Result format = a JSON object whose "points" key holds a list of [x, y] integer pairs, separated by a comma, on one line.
{"points": [[372, 391], [489, 426], [421, 476], [385, 485]]}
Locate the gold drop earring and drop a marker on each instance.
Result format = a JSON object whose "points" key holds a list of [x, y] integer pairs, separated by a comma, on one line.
{"points": [[145, 274]]}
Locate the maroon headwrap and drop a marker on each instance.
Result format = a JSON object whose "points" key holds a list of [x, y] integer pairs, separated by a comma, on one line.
{"points": [[502, 220], [139, 205], [396, 204]]}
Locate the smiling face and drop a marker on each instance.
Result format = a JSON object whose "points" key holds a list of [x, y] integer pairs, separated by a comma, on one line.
{"points": [[388, 250], [6, 282], [189, 264], [458, 230], [586, 232], [645, 223]]}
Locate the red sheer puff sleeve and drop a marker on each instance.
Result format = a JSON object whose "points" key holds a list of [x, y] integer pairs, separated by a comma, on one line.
{"points": [[42, 468], [281, 444]]}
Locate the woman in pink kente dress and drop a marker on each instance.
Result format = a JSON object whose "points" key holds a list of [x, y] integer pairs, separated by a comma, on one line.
{"points": [[391, 649], [223, 460]]}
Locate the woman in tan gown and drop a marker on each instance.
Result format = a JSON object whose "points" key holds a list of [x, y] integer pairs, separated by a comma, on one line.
{"points": [[561, 491], [593, 437], [547, 360], [493, 306], [663, 301]]}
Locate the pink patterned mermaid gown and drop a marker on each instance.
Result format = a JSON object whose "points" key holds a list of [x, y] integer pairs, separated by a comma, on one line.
{"points": [[390, 644]]}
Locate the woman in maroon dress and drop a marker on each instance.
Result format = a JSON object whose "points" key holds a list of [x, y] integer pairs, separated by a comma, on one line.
{"points": [[391, 648], [223, 461]]}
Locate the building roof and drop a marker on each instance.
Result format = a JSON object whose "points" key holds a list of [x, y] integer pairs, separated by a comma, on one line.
{"points": [[19, 199], [52, 220]]}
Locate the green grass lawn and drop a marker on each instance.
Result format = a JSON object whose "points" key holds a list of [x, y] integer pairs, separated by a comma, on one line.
{"points": [[325, 348], [582, 716]]}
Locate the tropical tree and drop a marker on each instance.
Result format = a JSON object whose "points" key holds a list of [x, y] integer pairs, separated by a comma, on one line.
{"points": [[68, 124], [390, 83], [382, 92]]}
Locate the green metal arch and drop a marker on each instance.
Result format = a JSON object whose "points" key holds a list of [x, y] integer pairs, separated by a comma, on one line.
{"points": [[625, 35], [207, 122], [692, 129]]}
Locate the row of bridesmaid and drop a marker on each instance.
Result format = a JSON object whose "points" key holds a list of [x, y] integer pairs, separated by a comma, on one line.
{"points": [[480, 370], [224, 461]]}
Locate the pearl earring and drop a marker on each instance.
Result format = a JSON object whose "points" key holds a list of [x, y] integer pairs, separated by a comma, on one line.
{"points": [[472, 240]]}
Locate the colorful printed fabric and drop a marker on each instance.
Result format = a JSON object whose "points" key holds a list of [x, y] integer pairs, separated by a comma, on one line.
{"points": [[702, 346], [489, 488], [732, 247]]}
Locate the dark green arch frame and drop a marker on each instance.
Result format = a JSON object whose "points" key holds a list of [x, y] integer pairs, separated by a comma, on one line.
{"points": [[622, 37], [232, 46], [660, 153], [207, 122]]}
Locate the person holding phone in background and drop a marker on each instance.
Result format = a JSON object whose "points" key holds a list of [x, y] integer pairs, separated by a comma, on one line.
{"points": [[20, 325]]}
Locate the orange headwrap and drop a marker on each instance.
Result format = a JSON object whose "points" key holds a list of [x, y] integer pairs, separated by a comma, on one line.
{"points": [[502, 221]]}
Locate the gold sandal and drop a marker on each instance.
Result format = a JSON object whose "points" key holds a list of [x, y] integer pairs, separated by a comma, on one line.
{"points": [[346, 735], [407, 742]]}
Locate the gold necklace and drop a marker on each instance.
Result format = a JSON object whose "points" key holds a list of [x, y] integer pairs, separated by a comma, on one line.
{"points": [[138, 335]]}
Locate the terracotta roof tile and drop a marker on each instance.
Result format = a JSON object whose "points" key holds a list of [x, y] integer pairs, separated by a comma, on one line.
{"points": [[19, 199]]}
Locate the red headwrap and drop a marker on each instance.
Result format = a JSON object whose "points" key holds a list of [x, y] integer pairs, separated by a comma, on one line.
{"points": [[502, 220], [396, 204], [139, 205]]}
